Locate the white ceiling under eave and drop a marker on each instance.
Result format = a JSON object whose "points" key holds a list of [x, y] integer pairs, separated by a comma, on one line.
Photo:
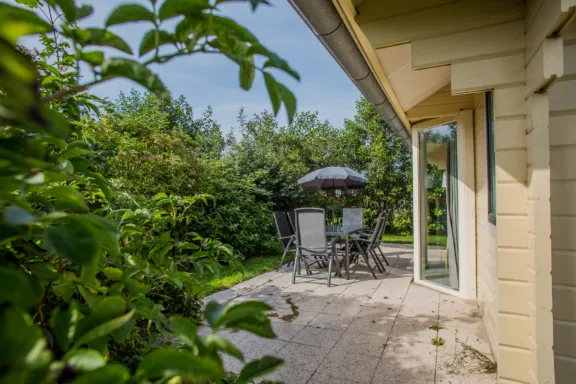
{"points": [[410, 86]]}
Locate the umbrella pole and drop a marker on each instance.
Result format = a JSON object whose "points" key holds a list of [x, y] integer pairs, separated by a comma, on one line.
{"points": [[333, 200]]}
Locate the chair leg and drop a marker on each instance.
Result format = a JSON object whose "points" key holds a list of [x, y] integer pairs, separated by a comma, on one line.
{"points": [[330, 258], [296, 264], [383, 256], [366, 260], [377, 261], [284, 255]]}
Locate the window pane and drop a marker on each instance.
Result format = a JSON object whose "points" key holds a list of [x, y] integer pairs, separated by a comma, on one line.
{"points": [[439, 205]]}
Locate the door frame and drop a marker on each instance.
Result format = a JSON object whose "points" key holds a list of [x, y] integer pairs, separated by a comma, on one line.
{"points": [[466, 204]]}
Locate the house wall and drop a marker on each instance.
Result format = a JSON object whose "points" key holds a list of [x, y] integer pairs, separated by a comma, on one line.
{"points": [[486, 252], [513, 48], [563, 208]]}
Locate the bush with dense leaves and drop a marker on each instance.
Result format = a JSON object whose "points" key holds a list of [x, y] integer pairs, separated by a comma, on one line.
{"points": [[81, 262]]}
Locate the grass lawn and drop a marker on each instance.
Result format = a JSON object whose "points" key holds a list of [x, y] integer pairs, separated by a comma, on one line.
{"points": [[228, 278], [409, 239]]}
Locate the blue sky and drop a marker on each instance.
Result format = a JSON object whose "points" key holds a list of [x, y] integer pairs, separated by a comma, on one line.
{"points": [[209, 80]]}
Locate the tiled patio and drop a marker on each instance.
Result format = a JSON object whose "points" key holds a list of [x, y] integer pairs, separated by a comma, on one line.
{"points": [[362, 330]]}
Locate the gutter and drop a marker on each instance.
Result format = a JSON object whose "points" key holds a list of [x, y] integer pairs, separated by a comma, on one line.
{"points": [[324, 20]]}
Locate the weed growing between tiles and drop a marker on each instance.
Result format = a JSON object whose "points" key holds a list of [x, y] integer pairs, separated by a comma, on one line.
{"points": [[468, 354]]}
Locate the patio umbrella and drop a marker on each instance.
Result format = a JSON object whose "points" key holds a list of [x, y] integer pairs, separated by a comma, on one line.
{"points": [[333, 178]]}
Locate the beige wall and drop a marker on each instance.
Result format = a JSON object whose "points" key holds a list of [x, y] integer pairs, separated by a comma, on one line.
{"points": [[486, 255], [527, 263], [563, 206]]}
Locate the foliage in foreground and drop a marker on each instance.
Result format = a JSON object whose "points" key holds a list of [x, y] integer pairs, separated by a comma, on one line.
{"points": [[81, 264]]}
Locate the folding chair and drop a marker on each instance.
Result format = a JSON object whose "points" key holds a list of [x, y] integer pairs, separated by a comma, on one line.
{"points": [[311, 241]]}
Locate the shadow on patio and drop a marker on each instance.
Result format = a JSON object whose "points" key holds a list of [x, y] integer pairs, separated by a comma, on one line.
{"points": [[362, 330]]}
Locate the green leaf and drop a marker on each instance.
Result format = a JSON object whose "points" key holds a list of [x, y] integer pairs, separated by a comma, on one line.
{"points": [[17, 65], [276, 62], [102, 184], [84, 11], [247, 72], [159, 253], [111, 373], [191, 8], [93, 299], [106, 231], [258, 368], [15, 215], [67, 198], [63, 324], [165, 363], [271, 86], [213, 311], [85, 360], [22, 342], [16, 288], [94, 58], [113, 273], [289, 101], [99, 37], [16, 22], [127, 13], [70, 153], [44, 271], [74, 240], [242, 311], [133, 70], [183, 328], [149, 40], [220, 344], [68, 7], [64, 290], [104, 329]]}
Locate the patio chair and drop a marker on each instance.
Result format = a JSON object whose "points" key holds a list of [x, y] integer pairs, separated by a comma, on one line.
{"points": [[292, 220], [384, 216], [366, 245], [352, 216], [285, 234], [311, 241]]}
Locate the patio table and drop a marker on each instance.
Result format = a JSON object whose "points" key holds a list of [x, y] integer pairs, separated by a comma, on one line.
{"points": [[345, 231]]}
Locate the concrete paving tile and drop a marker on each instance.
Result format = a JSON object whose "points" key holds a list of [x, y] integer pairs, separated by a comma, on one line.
{"points": [[418, 332], [405, 362], [362, 288], [231, 364], [422, 294], [321, 378], [313, 303], [289, 375], [353, 343], [302, 318], [302, 286], [330, 321], [356, 368], [255, 346], [285, 331], [382, 309], [468, 371], [374, 325], [347, 305], [233, 336], [318, 337], [300, 356]]}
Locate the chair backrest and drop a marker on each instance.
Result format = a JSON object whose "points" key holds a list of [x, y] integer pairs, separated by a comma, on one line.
{"points": [[283, 227], [311, 230], [292, 220], [376, 232], [352, 216], [384, 217]]}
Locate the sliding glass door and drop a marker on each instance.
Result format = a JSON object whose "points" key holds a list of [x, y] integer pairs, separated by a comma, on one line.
{"points": [[438, 170]]}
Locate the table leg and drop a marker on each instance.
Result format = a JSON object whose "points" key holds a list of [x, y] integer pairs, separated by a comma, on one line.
{"points": [[347, 255]]}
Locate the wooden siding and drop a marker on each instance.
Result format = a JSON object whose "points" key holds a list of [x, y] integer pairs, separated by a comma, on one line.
{"points": [[563, 208], [486, 252]]}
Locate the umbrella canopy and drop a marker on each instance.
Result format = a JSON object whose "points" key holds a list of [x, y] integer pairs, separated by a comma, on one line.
{"points": [[332, 178]]}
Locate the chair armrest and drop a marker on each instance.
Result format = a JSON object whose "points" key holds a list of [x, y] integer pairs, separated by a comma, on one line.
{"points": [[286, 237]]}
